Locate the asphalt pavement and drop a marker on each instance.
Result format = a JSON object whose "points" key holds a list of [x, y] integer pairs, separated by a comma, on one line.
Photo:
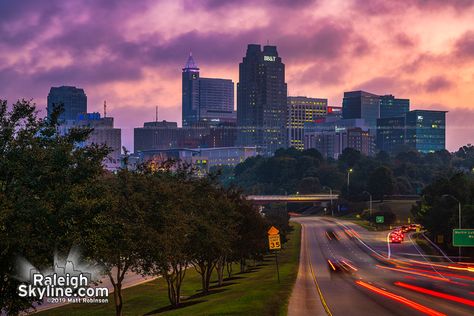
{"points": [[373, 277]]}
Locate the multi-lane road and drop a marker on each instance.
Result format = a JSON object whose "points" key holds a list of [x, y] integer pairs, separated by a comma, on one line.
{"points": [[377, 278]]}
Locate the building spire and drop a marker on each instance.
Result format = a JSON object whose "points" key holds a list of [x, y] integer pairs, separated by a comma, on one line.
{"points": [[191, 65]]}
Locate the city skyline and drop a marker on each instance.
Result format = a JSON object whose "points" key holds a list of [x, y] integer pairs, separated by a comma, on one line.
{"points": [[134, 61]]}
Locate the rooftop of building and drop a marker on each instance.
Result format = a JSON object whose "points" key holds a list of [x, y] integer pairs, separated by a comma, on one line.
{"points": [[191, 65]]}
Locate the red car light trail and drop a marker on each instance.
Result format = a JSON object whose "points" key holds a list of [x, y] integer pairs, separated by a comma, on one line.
{"points": [[436, 294], [401, 299]]}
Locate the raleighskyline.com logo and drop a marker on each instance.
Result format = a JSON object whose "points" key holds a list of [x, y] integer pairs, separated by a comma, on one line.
{"points": [[69, 281]]}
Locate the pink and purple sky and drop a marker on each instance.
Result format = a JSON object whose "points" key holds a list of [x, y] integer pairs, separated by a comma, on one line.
{"points": [[130, 53]]}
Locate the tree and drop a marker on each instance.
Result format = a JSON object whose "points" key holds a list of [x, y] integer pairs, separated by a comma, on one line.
{"points": [[116, 232], [251, 234], [211, 228], [438, 211], [349, 158], [42, 173], [309, 185], [381, 182], [166, 252]]}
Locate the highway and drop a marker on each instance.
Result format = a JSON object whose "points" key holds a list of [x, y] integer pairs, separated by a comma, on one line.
{"points": [[375, 279]]}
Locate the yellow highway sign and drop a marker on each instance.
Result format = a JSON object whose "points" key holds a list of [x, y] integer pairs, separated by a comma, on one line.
{"points": [[273, 231], [274, 242]]}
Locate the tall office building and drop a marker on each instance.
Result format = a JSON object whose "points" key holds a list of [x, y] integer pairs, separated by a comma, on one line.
{"points": [[216, 101], [422, 130], [331, 143], [190, 92], [206, 99], [334, 112], [361, 104], [301, 110], [390, 133], [426, 130], [393, 107], [155, 135], [262, 100], [74, 101]]}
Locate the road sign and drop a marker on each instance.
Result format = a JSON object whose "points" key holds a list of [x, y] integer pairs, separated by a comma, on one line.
{"points": [[274, 242], [463, 237], [273, 231], [379, 219]]}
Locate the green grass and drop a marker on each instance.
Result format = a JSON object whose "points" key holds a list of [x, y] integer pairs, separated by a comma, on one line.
{"points": [[363, 223], [427, 248], [254, 293]]}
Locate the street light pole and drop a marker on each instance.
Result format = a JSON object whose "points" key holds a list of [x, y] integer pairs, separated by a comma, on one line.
{"points": [[459, 206], [330, 193], [348, 177], [370, 202], [459, 215]]}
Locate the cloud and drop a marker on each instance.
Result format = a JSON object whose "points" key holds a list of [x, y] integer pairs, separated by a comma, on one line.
{"points": [[322, 74], [122, 50], [218, 4], [437, 83], [459, 127], [387, 85], [384, 7], [404, 40], [329, 40], [464, 46]]}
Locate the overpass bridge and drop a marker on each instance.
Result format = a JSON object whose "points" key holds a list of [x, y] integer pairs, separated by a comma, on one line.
{"points": [[296, 198]]}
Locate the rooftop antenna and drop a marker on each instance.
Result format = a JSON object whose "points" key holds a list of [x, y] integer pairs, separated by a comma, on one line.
{"points": [[105, 108], [268, 42], [156, 114]]}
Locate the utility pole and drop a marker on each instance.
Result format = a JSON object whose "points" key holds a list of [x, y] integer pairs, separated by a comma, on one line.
{"points": [[105, 108]]}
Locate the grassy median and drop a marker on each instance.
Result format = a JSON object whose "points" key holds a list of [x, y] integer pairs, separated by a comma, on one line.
{"points": [[256, 292]]}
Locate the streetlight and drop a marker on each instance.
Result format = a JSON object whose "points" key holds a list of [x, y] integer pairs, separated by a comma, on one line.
{"points": [[349, 171], [459, 214], [370, 202], [330, 193]]}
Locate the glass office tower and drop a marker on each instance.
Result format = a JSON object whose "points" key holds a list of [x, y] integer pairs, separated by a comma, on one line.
{"points": [[262, 100], [73, 100], [393, 107], [426, 130], [361, 104], [300, 111]]}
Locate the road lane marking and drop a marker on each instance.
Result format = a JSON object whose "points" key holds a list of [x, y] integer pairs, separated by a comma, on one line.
{"points": [[323, 301]]}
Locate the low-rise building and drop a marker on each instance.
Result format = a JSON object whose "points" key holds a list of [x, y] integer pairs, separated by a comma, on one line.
{"points": [[103, 133], [201, 158]]}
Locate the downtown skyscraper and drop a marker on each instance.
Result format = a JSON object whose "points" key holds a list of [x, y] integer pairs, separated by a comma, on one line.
{"points": [[72, 99], [205, 100], [262, 100]]}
